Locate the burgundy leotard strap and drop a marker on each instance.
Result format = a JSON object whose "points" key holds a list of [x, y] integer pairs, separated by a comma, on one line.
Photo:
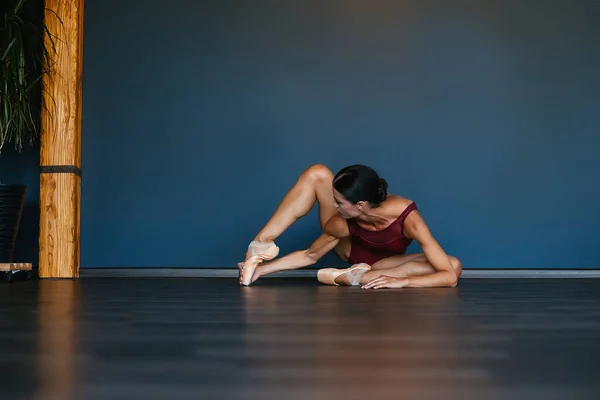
{"points": [[412, 206]]}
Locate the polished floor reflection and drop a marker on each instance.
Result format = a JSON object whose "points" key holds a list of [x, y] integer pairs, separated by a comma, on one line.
{"points": [[295, 339]]}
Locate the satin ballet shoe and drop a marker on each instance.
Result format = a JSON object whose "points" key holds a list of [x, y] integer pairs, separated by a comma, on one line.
{"points": [[263, 250], [247, 270], [328, 276], [260, 251]]}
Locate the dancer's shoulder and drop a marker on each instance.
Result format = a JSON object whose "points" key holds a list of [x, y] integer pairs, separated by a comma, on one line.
{"points": [[398, 205]]}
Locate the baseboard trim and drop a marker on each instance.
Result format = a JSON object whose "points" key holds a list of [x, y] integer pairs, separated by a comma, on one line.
{"points": [[312, 273]]}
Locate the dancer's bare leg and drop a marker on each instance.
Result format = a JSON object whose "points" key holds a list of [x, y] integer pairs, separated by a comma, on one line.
{"points": [[313, 186], [395, 261], [405, 266], [400, 266]]}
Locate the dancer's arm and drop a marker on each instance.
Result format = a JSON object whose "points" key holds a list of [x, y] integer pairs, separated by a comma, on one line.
{"points": [[334, 229], [301, 258], [445, 275]]}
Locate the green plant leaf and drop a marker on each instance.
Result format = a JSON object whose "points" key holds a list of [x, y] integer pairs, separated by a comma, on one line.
{"points": [[8, 48], [26, 58], [18, 6]]}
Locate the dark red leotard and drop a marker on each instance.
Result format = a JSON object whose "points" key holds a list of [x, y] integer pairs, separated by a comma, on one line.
{"points": [[372, 246]]}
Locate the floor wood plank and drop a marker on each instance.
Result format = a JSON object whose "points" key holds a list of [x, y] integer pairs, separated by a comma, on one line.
{"points": [[295, 339]]}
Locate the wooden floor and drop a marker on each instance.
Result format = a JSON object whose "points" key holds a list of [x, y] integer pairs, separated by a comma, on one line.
{"points": [[294, 339]]}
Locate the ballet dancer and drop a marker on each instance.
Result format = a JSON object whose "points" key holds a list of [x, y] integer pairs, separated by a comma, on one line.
{"points": [[364, 226]]}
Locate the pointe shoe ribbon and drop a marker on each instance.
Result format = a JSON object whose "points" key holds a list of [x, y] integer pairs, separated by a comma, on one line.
{"points": [[328, 276], [259, 252]]}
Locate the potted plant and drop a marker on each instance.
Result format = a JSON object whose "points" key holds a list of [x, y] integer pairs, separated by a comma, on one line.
{"points": [[24, 59]]}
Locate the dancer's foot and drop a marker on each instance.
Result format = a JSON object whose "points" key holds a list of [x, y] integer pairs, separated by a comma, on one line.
{"points": [[345, 277], [259, 252], [248, 270]]}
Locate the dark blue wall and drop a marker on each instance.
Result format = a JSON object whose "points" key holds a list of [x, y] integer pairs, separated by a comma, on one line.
{"points": [[199, 116]]}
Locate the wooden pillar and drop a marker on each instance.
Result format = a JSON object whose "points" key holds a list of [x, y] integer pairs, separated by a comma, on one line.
{"points": [[60, 154]]}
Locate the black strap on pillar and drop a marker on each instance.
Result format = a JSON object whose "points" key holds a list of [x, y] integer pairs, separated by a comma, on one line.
{"points": [[60, 169]]}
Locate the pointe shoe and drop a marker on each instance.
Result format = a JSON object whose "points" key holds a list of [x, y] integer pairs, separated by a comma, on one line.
{"points": [[263, 250], [354, 273], [247, 270], [260, 251]]}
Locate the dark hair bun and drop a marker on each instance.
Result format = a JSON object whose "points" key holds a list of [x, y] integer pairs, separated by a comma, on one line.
{"points": [[383, 185], [361, 183]]}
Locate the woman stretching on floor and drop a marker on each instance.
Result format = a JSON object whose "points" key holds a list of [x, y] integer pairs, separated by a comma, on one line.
{"points": [[363, 225]]}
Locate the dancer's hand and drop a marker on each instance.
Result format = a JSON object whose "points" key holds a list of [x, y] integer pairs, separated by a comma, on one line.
{"points": [[385, 281]]}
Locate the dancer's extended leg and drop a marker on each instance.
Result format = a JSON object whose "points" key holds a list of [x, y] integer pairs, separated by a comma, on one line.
{"points": [[400, 266], [412, 265], [313, 186]]}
